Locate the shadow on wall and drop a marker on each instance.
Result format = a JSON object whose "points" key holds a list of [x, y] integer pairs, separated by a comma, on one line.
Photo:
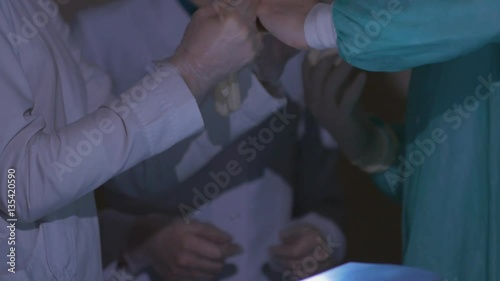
{"points": [[373, 220]]}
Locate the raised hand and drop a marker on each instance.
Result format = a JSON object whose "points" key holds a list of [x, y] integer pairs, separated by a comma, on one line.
{"points": [[332, 92], [214, 45]]}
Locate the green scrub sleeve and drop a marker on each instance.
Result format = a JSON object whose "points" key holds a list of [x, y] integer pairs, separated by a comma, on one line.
{"points": [[393, 35]]}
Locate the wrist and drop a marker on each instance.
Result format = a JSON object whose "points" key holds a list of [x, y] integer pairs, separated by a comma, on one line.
{"points": [[191, 76]]}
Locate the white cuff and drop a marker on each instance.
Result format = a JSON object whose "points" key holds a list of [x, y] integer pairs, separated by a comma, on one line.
{"points": [[319, 29], [335, 238], [169, 112]]}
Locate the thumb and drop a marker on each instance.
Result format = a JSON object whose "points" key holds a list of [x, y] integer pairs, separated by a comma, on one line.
{"points": [[247, 9], [212, 233]]}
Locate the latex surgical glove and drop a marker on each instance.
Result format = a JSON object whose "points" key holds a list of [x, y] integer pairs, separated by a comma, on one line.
{"points": [[285, 19], [215, 45], [179, 251], [300, 244], [332, 91]]}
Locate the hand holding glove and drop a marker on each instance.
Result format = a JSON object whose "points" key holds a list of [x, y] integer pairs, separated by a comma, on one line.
{"points": [[214, 46]]}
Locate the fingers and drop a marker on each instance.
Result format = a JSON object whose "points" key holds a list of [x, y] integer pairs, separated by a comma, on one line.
{"points": [[204, 248], [248, 10], [286, 252], [321, 70], [210, 232], [299, 241], [211, 242], [294, 232], [194, 262], [301, 248], [318, 78], [233, 249], [205, 12], [334, 82], [354, 92]]}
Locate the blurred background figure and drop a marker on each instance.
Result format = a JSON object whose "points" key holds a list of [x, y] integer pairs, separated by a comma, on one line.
{"points": [[255, 196]]}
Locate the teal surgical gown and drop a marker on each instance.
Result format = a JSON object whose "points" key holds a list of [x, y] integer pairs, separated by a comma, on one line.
{"points": [[448, 172]]}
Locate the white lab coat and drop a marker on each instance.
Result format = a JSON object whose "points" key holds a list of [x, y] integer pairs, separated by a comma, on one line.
{"points": [[64, 136], [253, 212]]}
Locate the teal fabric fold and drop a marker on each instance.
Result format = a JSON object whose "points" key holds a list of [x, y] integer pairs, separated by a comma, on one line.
{"points": [[400, 34], [451, 141]]}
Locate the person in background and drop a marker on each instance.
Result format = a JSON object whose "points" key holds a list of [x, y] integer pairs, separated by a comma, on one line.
{"points": [[443, 165], [64, 133], [253, 197]]}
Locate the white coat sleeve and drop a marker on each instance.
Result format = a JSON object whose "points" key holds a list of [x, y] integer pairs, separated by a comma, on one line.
{"points": [[147, 119]]}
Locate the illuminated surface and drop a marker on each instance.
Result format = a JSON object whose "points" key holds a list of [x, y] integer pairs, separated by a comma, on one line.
{"points": [[374, 272]]}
